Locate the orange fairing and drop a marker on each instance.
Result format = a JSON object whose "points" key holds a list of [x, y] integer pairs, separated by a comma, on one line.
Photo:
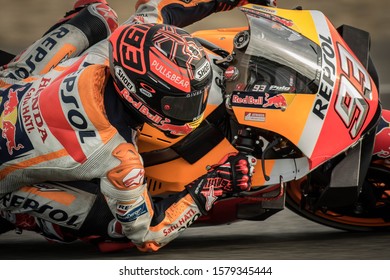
{"points": [[172, 176], [222, 37], [289, 122], [129, 174]]}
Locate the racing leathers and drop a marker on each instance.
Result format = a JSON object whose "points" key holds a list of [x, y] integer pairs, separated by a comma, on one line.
{"points": [[61, 121]]}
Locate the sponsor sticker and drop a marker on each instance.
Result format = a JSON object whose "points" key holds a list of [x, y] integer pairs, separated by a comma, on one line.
{"points": [[275, 101], [121, 75], [168, 74], [182, 223], [133, 214], [256, 117]]}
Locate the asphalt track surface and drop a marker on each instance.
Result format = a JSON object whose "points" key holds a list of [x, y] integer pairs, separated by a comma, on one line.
{"points": [[284, 236]]}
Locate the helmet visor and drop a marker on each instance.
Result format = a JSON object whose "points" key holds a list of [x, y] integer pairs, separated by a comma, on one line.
{"points": [[186, 108]]}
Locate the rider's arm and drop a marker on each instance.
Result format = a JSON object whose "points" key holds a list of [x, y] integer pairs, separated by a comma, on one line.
{"points": [[176, 12], [182, 13]]}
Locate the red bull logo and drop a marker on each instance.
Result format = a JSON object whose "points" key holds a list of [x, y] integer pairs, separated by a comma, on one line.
{"points": [[8, 119], [248, 99], [276, 101], [382, 138]]}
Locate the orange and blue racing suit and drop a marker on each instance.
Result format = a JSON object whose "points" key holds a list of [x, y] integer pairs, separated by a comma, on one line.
{"points": [[58, 123]]}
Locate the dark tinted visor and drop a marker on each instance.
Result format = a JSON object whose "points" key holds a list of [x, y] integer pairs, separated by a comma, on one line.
{"points": [[186, 108]]}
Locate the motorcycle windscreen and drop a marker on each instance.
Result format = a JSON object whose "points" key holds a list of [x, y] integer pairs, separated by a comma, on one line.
{"points": [[274, 59]]}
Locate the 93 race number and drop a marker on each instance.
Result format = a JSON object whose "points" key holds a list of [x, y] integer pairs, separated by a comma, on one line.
{"points": [[355, 85]]}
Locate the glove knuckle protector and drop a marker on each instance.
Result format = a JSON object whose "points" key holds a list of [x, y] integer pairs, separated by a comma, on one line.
{"points": [[231, 175]]}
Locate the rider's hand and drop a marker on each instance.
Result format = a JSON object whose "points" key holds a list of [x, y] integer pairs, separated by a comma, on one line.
{"points": [[233, 174]]}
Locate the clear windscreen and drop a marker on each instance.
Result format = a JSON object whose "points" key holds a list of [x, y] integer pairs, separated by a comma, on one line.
{"points": [[277, 57]]}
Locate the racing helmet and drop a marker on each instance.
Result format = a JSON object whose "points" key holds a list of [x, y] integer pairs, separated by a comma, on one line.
{"points": [[162, 74]]}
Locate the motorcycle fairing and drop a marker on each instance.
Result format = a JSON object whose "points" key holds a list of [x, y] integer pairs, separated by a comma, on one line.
{"points": [[172, 176], [347, 176], [324, 124], [353, 104], [277, 171]]}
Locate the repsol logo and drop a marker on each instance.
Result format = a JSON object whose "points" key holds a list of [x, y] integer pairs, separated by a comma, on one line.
{"points": [[73, 110], [328, 77], [46, 211], [40, 52]]}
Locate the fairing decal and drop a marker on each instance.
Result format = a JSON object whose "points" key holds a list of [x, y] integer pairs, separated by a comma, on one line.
{"points": [[346, 102], [315, 120]]}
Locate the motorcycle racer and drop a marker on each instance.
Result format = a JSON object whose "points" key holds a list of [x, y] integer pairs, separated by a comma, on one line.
{"points": [[72, 102]]}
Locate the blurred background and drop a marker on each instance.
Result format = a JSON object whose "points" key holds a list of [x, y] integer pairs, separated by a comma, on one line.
{"points": [[21, 22]]}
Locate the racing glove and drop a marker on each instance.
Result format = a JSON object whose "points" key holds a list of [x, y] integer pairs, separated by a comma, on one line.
{"points": [[231, 175]]}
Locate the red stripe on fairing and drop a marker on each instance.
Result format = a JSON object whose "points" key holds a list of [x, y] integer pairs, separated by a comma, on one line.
{"points": [[335, 136], [58, 124]]}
